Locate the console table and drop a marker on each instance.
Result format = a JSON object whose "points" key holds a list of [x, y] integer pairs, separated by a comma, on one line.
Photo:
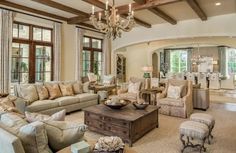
{"points": [[128, 123], [149, 93]]}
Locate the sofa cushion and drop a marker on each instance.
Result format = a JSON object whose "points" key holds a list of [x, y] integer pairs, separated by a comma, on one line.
{"points": [[63, 134], [134, 87], [13, 122], [66, 89], [87, 97], [34, 138], [128, 96], [7, 104], [183, 83], [171, 102], [174, 91], [77, 87], [53, 90], [28, 92], [42, 105], [68, 100], [58, 116], [42, 92], [108, 79]]}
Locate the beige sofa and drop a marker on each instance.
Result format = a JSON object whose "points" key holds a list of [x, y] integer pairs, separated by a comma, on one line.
{"points": [[70, 103], [181, 107]]}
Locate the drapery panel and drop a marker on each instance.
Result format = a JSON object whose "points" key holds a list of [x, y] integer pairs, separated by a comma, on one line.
{"points": [[167, 58], [79, 53], [222, 59], [6, 22], [189, 57], [106, 56], [57, 51]]}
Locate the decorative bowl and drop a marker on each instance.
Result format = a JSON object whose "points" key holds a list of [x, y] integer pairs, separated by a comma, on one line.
{"points": [[116, 103], [140, 105]]}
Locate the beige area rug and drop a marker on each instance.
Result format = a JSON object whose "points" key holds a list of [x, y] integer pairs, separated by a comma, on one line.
{"points": [[165, 139]]}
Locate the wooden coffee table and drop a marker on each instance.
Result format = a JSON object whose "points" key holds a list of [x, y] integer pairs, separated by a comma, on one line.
{"points": [[128, 123]]}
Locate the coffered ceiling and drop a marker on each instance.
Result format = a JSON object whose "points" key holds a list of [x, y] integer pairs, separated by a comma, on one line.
{"points": [[171, 11]]}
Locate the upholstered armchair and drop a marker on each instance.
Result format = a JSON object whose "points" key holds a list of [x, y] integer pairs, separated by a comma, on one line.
{"points": [[202, 79], [179, 76], [132, 91], [214, 82], [191, 77], [228, 83], [179, 107]]}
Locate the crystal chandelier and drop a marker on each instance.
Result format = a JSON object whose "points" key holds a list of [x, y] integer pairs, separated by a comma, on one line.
{"points": [[113, 25], [198, 59]]}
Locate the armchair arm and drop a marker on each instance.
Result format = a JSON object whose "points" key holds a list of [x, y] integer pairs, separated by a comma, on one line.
{"points": [[21, 104], [121, 91]]}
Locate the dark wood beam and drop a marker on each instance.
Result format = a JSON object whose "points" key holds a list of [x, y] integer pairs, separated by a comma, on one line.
{"points": [[32, 10], [77, 20], [197, 9], [159, 13], [102, 6], [60, 6]]}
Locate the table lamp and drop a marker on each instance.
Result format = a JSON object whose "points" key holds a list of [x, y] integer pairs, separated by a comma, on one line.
{"points": [[147, 70]]}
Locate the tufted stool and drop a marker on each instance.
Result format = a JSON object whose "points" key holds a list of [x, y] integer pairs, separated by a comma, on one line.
{"points": [[193, 130], [206, 119]]}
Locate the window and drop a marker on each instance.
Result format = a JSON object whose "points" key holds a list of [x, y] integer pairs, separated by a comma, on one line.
{"points": [[92, 55], [178, 61], [230, 61], [31, 54]]}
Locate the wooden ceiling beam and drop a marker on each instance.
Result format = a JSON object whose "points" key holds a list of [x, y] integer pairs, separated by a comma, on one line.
{"points": [[101, 5], [62, 7], [197, 9], [159, 13], [28, 9]]}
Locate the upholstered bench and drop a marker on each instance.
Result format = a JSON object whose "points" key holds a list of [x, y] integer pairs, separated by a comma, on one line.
{"points": [[193, 130], [206, 119]]}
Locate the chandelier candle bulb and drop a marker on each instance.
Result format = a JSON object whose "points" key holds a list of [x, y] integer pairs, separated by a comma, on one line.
{"points": [[129, 7], [107, 5], [132, 13], [92, 10], [99, 16]]}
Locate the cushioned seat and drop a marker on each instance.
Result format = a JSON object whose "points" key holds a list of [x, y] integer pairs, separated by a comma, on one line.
{"points": [[87, 97], [41, 105], [68, 100], [171, 102]]}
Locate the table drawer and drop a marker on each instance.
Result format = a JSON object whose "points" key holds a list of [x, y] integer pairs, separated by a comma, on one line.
{"points": [[119, 131], [120, 123], [94, 123]]}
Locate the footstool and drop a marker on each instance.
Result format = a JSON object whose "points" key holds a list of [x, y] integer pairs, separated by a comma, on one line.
{"points": [[193, 130], [206, 119]]}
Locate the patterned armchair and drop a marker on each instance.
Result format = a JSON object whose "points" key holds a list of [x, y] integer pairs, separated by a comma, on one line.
{"points": [[132, 91], [181, 107]]}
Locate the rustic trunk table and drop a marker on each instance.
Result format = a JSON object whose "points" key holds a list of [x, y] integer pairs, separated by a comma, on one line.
{"points": [[128, 123]]}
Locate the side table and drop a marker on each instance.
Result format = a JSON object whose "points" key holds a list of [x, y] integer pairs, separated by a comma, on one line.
{"points": [[149, 93], [201, 98]]}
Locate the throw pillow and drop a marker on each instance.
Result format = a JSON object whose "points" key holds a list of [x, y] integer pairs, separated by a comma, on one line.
{"points": [[108, 79], [66, 89], [54, 91], [134, 87], [32, 117], [86, 87], [34, 138], [42, 92], [62, 134], [29, 93], [174, 91], [78, 87]]}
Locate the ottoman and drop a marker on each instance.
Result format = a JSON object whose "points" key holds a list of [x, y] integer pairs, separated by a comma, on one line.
{"points": [[193, 130], [206, 119]]}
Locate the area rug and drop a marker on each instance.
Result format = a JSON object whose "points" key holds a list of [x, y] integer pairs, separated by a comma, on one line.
{"points": [[165, 139]]}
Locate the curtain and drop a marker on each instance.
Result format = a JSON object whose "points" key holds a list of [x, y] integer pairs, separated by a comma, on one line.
{"points": [[167, 58], [57, 51], [222, 59], [189, 57], [79, 53], [6, 22], [106, 56]]}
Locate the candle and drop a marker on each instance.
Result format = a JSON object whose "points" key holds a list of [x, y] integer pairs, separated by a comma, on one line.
{"points": [[107, 4], [118, 17], [129, 7], [132, 13], [99, 16], [93, 10]]}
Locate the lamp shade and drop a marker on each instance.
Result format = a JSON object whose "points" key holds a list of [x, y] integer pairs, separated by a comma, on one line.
{"points": [[147, 68]]}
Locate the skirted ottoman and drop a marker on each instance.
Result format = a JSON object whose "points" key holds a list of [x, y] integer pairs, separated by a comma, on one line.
{"points": [[194, 131], [206, 119]]}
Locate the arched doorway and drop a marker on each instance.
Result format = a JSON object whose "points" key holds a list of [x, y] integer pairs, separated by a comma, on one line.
{"points": [[155, 65]]}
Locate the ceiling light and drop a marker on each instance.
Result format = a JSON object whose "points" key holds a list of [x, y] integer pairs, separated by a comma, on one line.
{"points": [[218, 4]]}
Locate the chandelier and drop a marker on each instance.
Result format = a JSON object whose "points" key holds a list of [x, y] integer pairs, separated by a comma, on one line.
{"points": [[198, 59], [113, 25]]}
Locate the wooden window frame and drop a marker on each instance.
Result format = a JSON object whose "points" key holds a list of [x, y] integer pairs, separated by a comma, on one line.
{"points": [[92, 50], [32, 46]]}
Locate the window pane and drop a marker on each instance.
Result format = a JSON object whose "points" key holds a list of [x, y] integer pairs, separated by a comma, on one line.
{"points": [[46, 35], [39, 65], [23, 31], [39, 77], [15, 50], [86, 42], [96, 43], [86, 55], [47, 76], [24, 65], [24, 77], [15, 77], [15, 30], [97, 56], [43, 58], [24, 50], [37, 34]]}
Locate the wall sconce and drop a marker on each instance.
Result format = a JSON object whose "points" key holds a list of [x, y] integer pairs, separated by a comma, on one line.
{"points": [[215, 62]]}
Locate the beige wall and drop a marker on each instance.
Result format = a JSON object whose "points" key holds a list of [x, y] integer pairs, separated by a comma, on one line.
{"points": [[139, 55]]}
